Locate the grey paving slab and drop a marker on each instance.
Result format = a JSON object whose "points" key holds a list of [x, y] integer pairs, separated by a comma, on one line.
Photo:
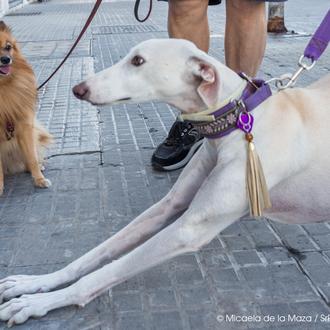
{"points": [[102, 178], [73, 124]]}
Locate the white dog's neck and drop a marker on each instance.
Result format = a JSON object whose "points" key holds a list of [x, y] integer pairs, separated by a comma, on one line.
{"points": [[230, 83]]}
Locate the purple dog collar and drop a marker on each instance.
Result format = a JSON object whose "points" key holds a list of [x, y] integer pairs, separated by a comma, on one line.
{"points": [[235, 114]]}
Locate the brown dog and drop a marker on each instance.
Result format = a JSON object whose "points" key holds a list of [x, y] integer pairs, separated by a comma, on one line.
{"points": [[22, 138]]}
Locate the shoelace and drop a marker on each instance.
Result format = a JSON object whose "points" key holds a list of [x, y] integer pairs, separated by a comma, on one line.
{"points": [[177, 132]]}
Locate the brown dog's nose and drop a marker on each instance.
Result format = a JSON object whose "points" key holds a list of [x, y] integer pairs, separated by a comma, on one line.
{"points": [[5, 60], [81, 91]]}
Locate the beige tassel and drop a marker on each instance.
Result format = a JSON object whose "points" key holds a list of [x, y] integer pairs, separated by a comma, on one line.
{"points": [[255, 181]]}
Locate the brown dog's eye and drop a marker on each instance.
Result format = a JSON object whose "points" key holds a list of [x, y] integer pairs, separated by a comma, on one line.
{"points": [[8, 47], [137, 60]]}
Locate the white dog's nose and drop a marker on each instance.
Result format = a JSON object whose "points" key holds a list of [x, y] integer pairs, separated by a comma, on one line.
{"points": [[81, 91]]}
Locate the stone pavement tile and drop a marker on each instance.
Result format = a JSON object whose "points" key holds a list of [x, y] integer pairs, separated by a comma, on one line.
{"points": [[323, 241], [133, 284], [318, 273], [74, 162], [276, 255], [58, 22], [296, 237], [237, 243], [54, 49], [245, 258], [73, 124], [215, 258], [317, 228], [310, 259], [268, 286], [127, 321], [195, 296], [157, 278], [225, 279], [162, 298], [203, 319], [166, 321], [234, 303], [261, 233], [127, 301]]}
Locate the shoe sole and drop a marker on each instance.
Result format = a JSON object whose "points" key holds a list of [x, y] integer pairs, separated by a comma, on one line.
{"points": [[181, 163]]}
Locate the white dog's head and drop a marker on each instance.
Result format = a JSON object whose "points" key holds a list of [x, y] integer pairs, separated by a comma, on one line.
{"points": [[174, 71]]}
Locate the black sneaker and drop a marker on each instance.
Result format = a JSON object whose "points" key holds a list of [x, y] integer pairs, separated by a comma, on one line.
{"points": [[175, 152]]}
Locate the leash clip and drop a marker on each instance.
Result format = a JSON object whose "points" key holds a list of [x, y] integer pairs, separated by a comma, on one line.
{"points": [[303, 66]]}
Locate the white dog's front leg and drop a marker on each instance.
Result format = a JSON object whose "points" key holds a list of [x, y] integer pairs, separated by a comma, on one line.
{"points": [[171, 241], [142, 228], [196, 227]]}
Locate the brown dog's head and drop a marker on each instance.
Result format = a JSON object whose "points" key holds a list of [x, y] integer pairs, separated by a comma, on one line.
{"points": [[7, 50]]}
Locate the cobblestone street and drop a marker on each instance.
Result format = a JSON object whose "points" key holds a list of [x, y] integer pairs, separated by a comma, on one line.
{"points": [[100, 168]]}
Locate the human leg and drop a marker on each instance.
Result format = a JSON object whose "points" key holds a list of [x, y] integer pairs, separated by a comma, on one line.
{"points": [[245, 37]]}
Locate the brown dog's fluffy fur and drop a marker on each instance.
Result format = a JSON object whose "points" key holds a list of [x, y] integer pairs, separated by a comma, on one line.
{"points": [[18, 96]]}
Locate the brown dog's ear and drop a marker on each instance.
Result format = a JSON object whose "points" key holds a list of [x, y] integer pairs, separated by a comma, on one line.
{"points": [[4, 27], [209, 83]]}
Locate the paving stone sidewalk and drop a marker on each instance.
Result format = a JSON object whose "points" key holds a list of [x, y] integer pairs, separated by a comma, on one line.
{"points": [[100, 169]]}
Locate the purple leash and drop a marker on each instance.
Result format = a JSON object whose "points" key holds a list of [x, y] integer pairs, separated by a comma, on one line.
{"points": [[319, 41], [313, 51]]}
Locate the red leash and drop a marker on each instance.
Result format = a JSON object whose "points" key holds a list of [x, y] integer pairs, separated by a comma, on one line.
{"points": [[88, 22]]}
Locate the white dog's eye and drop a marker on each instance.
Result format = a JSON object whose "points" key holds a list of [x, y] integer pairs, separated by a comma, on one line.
{"points": [[137, 60]]}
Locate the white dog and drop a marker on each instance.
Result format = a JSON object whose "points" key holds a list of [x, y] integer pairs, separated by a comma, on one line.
{"points": [[292, 134]]}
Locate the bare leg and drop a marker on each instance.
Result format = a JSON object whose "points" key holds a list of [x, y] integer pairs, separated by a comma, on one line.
{"points": [[191, 231], [27, 144], [187, 19], [245, 37], [143, 227]]}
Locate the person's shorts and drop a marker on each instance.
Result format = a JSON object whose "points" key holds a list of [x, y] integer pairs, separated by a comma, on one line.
{"points": [[217, 2]]}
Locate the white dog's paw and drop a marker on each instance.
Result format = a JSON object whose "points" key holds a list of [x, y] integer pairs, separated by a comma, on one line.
{"points": [[14, 286], [18, 310], [42, 183]]}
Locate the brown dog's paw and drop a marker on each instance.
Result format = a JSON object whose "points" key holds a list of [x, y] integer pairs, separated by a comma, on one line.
{"points": [[1, 189], [42, 183]]}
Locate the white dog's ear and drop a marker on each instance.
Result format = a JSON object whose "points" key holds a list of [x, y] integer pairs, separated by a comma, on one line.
{"points": [[208, 87]]}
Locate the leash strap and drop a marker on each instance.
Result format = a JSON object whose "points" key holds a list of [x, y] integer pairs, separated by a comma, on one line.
{"points": [[88, 22], [314, 49], [320, 40], [136, 11]]}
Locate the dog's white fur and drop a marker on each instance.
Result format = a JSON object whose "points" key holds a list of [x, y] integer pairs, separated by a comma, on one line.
{"points": [[291, 133]]}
